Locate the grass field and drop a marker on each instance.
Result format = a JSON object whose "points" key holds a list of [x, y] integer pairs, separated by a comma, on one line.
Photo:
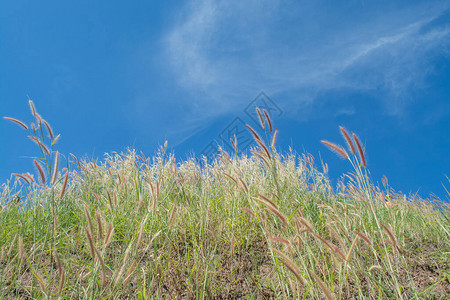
{"points": [[263, 226]]}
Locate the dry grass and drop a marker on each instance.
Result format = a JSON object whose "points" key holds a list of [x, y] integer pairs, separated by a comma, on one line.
{"points": [[261, 226]]}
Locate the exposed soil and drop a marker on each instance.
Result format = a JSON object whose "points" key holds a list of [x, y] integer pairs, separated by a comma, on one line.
{"points": [[427, 268], [248, 272]]}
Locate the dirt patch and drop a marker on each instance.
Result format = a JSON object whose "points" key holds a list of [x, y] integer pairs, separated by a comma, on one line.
{"points": [[247, 272], [430, 270]]}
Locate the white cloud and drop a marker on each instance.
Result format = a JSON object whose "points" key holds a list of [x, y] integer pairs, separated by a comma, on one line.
{"points": [[224, 53]]}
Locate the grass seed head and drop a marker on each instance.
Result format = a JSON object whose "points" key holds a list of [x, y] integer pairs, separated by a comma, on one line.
{"points": [[260, 118], [322, 286], [40, 144], [360, 150], [55, 168], [32, 108], [99, 225], [347, 138], [27, 180], [17, 122], [255, 135], [49, 129], [274, 139], [66, 179], [41, 171], [268, 120], [40, 280], [336, 149]]}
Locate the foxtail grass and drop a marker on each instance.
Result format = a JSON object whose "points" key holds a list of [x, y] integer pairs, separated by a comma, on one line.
{"points": [[265, 225]]}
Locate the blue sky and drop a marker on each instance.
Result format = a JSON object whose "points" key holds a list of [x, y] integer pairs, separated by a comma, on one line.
{"points": [[109, 75]]}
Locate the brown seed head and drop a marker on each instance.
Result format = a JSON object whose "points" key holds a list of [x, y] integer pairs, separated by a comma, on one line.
{"points": [[336, 149], [66, 178], [268, 119], [40, 280], [360, 150], [40, 144], [289, 264], [29, 176], [61, 281], [109, 235], [231, 177], [278, 213], [268, 200], [88, 217], [329, 245], [255, 135], [99, 224], [55, 167], [17, 121], [260, 118], [243, 184], [234, 143], [365, 238], [264, 148], [27, 180], [322, 286], [346, 136], [391, 235], [127, 276], [49, 129], [90, 240], [41, 171], [248, 211]]}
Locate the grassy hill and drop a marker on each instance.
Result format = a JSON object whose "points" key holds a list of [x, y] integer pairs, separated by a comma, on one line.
{"points": [[259, 227]]}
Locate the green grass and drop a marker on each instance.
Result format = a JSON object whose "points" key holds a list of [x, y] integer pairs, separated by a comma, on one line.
{"points": [[258, 227]]}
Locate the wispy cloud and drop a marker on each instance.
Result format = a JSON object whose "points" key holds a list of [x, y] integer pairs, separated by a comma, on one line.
{"points": [[223, 53]]}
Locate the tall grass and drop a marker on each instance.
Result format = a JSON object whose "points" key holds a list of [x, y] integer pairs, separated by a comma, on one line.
{"points": [[269, 225]]}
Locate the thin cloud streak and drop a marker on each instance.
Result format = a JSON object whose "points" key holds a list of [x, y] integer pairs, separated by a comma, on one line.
{"points": [[223, 59]]}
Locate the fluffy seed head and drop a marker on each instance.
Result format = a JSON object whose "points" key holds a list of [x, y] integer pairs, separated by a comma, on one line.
{"points": [[49, 129], [274, 138], [66, 178], [91, 242], [255, 135], [336, 149], [322, 286], [27, 180], [360, 150], [288, 263], [40, 144], [365, 238], [264, 148], [268, 119], [41, 171], [33, 110], [346, 136], [99, 224], [55, 167], [260, 119], [16, 121]]}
